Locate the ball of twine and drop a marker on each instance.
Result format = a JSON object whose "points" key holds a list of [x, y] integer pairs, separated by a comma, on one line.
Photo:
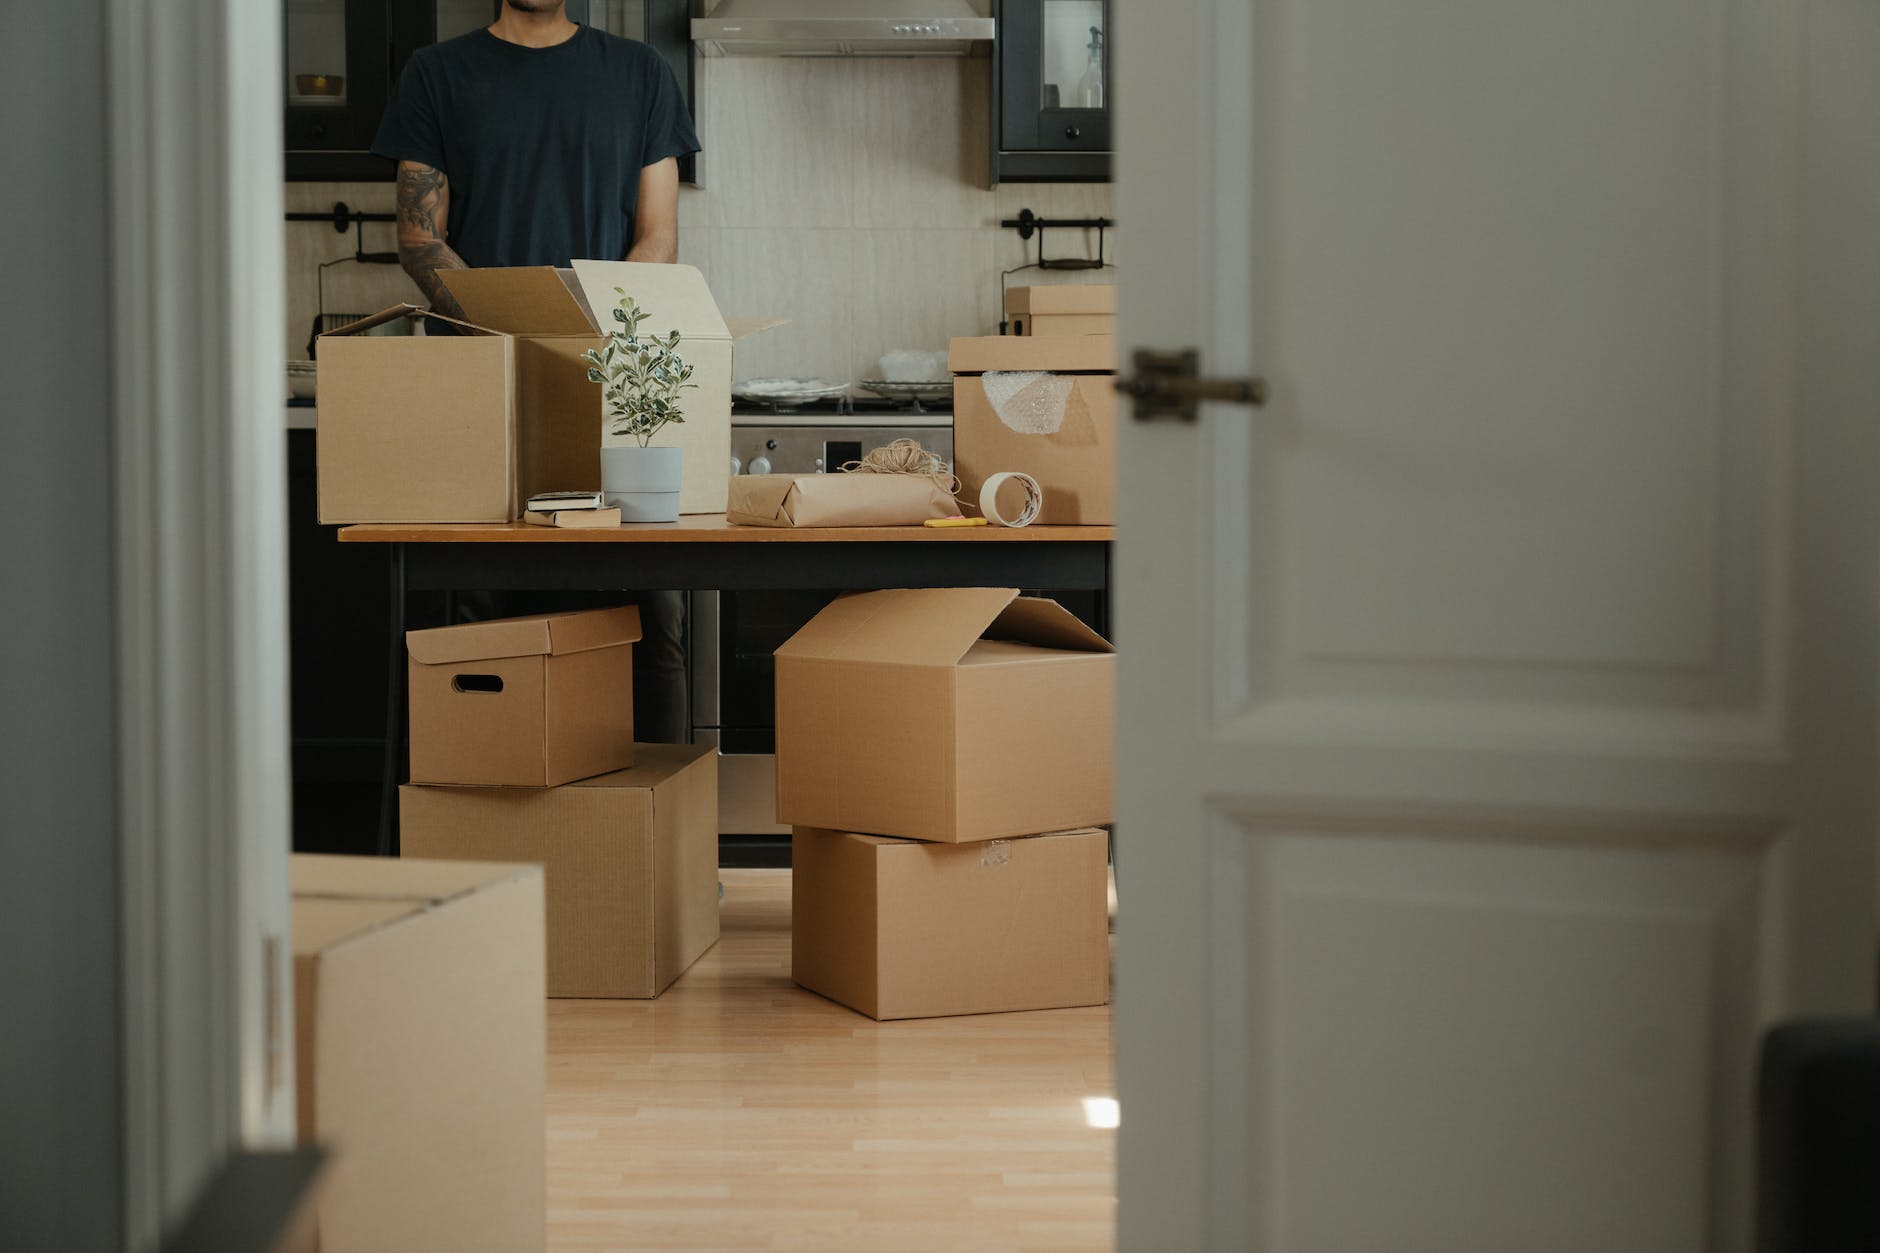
{"points": [[906, 456]]}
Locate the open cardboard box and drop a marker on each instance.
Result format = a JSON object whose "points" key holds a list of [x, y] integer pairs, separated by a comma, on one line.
{"points": [[466, 427], [1074, 465], [556, 315], [948, 714]]}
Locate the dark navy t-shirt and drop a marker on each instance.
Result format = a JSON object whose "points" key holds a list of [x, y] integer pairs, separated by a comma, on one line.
{"points": [[543, 146]]}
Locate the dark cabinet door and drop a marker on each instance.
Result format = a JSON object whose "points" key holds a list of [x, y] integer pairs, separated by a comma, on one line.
{"points": [[1053, 107]]}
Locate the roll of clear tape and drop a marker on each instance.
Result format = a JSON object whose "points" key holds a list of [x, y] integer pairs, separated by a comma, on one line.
{"points": [[989, 499]]}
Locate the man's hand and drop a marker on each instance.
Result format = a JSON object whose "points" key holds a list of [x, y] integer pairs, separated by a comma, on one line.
{"points": [[656, 220], [423, 215]]}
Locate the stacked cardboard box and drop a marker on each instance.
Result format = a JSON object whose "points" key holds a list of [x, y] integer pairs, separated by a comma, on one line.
{"points": [[522, 751], [944, 757]]}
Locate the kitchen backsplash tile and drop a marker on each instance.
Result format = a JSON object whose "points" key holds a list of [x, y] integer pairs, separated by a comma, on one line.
{"points": [[921, 132], [848, 195], [917, 289]]}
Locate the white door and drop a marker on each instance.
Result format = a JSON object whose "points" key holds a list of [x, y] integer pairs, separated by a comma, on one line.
{"points": [[1497, 720]]}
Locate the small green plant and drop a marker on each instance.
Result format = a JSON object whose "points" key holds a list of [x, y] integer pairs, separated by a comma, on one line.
{"points": [[641, 376]]}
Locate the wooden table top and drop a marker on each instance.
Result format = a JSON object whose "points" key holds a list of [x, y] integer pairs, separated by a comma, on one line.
{"points": [[707, 528]]}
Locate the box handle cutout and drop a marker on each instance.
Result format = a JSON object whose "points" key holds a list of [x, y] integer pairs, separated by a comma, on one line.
{"points": [[478, 683]]}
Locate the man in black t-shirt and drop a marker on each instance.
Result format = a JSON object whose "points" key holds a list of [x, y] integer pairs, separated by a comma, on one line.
{"points": [[535, 141]]}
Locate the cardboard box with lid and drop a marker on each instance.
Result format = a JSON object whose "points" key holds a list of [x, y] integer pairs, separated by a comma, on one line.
{"points": [[905, 929], [630, 858], [466, 427], [946, 714], [420, 1052], [1061, 309], [1075, 465], [523, 702]]}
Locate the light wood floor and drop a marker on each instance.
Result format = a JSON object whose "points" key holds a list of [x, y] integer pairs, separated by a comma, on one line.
{"points": [[740, 1112]]}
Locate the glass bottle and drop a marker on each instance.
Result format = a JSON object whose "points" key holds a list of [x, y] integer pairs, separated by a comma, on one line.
{"points": [[1090, 86]]}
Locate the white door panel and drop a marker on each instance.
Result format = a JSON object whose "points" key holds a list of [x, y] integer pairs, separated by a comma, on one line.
{"points": [[1477, 801]]}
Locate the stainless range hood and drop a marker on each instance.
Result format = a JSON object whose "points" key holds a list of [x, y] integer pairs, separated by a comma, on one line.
{"points": [[836, 28]]}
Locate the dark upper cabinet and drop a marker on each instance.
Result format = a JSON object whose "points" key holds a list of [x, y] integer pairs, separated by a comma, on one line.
{"points": [[1052, 101], [341, 59]]}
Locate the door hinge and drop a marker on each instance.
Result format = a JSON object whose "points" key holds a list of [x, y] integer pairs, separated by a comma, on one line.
{"points": [[1169, 385]]}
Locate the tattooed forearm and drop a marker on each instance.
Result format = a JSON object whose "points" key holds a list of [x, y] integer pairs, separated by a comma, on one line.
{"points": [[423, 215]]}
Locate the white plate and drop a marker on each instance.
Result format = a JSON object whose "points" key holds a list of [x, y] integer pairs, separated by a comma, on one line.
{"points": [[781, 391]]}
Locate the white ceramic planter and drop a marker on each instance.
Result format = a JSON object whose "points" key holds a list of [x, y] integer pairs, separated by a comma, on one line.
{"points": [[644, 482]]}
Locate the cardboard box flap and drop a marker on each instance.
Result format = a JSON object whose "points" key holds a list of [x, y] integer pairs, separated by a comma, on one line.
{"points": [[391, 879], [1062, 298], [325, 922], [1046, 624], [554, 634], [518, 300], [675, 296], [1062, 354], [929, 626]]}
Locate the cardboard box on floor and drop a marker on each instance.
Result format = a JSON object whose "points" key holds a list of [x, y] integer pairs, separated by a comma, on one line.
{"points": [[631, 861], [1076, 464], [949, 714], [904, 929], [420, 1052], [1061, 309], [523, 702]]}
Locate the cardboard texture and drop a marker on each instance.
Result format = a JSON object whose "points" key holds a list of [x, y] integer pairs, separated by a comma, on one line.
{"points": [[946, 714], [903, 929], [1061, 309], [420, 1052], [417, 428], [631, 861], [678, 299], [523, 702], [837, 500], [1076, 465]]}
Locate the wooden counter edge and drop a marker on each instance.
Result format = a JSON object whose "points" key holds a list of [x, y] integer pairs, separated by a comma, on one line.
{"points": [[706, 528]]}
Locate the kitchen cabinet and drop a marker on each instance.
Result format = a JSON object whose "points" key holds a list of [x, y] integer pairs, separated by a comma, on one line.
{"points": [[341, 59], [1051, 92]]}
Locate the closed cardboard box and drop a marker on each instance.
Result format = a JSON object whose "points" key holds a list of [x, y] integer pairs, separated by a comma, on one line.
{"points": [[523, 702], [1061, 309], [904, 929], [951, 714], [420, 1052], [1075, 461], [631, 860]]}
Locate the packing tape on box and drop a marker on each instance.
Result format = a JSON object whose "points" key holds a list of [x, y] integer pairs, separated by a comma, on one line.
{"points": [[1028, 401], [989, 498]]}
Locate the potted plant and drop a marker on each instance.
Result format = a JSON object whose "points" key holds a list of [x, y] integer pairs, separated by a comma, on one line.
{"points": [[641, 377]]}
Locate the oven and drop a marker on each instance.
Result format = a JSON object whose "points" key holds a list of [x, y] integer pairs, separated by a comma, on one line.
{"points": [[734, 634]]}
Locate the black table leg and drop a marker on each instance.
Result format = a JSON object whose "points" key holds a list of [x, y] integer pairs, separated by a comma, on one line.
{"points": [[394, 769]]}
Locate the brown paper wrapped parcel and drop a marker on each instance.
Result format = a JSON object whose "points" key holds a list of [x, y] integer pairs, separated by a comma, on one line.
{"points": [[837, 500]]}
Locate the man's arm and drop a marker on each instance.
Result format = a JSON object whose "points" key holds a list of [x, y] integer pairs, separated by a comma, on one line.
{"points": [[656, 219], [423, 215]]}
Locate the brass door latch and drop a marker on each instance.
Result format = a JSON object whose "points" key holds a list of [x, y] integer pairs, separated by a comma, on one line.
{"points": [[1169, 385]]}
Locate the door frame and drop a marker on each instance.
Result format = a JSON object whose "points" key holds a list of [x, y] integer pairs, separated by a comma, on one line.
{"points": [[194, 118]]}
